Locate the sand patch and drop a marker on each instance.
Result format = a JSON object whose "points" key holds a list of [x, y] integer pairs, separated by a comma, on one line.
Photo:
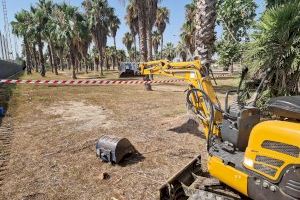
{"points": [[86, 117]]}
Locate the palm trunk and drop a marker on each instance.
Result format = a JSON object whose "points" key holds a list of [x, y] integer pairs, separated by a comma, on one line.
{"points": [[143, 35], [28, 60], [86, 65], [135, 53], [162, 46], [205, 25], [115, 44], [113, 61], [51, 58], [73, 61], [142, 29], [149, 43], [115, 51], [36, 62], [61, 59], [40, 45], [80, 65], [155, 48], [101, 60]]}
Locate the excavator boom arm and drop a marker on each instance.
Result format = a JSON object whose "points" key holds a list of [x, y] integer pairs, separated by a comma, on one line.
{"points": [[199, 84]]}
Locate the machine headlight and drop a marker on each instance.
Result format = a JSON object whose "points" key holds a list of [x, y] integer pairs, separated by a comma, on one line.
{"points": [[248, 162]]}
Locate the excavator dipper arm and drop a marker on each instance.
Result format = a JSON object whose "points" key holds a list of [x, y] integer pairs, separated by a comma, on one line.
{"points": [[201, 94]]}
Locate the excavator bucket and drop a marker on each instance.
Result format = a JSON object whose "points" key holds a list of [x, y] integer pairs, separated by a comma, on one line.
{"points": [[113, 149], [177, 187]]}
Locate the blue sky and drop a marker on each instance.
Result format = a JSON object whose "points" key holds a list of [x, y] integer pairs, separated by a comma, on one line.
{"points": [[172, 31]]}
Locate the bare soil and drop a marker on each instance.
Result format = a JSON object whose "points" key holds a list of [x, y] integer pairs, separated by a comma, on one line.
{"points": [[52, 152]]}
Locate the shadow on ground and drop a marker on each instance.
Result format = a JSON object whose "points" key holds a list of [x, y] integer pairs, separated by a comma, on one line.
{"points": [[132, 159], [191, 127]]}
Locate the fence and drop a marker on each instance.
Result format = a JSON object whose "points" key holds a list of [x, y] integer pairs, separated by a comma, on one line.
{"points": [[8, 69]]}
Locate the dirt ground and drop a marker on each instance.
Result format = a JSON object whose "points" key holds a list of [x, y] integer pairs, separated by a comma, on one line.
{"points": [[52, 152]]}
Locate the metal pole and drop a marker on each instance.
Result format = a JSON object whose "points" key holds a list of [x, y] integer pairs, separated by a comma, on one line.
{"points": [[6, 50], [1, 48]]}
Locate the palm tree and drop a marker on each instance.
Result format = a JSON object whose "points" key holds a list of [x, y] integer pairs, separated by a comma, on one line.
{"points": [[156, 39], [276, 46], [20, 28], [40, 18], [181, 51], [189, 28], [84, 44], [131, 19], [70, 27], [127, 41], [205, 25], [142, 24], [121, 56], [162, 19], [49, 35], [114, 26], [99, 13], [188, 36], [151, 11], [169, 51]]}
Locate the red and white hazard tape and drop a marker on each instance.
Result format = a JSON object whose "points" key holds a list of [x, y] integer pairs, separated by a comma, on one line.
{"points": [[85, 82]]}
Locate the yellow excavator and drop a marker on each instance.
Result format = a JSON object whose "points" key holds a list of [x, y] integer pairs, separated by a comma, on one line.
{"points": [[254, 155]]}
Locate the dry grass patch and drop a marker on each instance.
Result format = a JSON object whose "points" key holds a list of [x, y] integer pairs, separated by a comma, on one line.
{"points": [[53, 152]]}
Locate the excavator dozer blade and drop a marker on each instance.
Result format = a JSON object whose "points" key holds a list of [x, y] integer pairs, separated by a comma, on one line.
{"points": [[177, 187]]}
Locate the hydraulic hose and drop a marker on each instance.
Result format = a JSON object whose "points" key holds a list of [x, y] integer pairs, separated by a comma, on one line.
{"points": [[211, 108]]}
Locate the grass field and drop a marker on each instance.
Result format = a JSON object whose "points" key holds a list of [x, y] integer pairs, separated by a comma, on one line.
{"points": [[55, 129]]}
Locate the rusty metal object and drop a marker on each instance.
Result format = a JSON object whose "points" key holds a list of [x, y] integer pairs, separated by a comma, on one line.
{"points": [[113, 149]]}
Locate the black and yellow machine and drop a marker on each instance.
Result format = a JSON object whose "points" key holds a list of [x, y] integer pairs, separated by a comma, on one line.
{"points": [[257, 157]]}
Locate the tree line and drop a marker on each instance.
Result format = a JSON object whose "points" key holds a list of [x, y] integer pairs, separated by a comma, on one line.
{"points": [[66, 34], [270, 40]]}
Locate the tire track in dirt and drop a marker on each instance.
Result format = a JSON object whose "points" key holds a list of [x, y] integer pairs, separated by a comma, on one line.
{"points": [[5, 135], [5, 144]]}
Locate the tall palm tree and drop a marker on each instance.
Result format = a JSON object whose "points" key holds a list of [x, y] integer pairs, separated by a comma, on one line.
{"points": [[181, 50], [49, 35], [98, 14], [40, 19], [169, 51], [127, 41], [20, 28], [156, 39], [205, 25], [131, 19], [114, 25], [121, 56], [151, 11], [84, 44], [188, 36], [162, 19], [141, 7], [70, 27]]}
